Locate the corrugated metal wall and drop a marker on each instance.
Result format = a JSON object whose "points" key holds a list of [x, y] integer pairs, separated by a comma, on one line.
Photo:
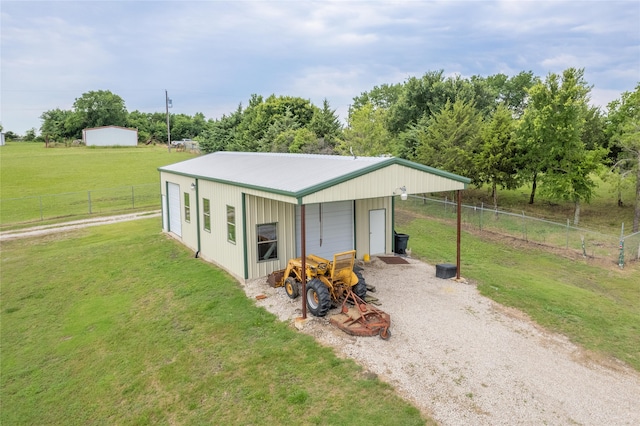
{"points": [[110, 136], [362, 223], [261, 211], [383, 183], [215, 244]]}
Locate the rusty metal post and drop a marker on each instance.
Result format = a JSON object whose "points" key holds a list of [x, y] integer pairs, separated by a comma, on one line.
{"points": [[303, 249], [458, 235]]}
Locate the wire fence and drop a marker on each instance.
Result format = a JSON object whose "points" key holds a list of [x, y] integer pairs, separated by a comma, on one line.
{"points": [[620, 249], [15, 211]]}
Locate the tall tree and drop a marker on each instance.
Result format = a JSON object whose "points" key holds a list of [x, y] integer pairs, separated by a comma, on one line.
{"points": [[625, 114], [551, 138], [280, 134], [384, 96], [95, 109], [326, 124], [53, 124], [419, 97], [451, 141], [220, 134], [367, 134], [497, 159], [514, 92], [260, 114]]}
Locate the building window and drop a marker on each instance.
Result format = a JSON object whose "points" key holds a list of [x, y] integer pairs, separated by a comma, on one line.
{"points": [[231, 224], [267, 241], [206, 213], [187, 207]]}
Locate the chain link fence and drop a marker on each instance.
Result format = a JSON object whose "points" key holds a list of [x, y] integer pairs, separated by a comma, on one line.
{"points": [[84, 203], [619, 249]]}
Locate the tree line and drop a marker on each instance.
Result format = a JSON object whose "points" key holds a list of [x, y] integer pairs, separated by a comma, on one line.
{"points": [[502, 131]]}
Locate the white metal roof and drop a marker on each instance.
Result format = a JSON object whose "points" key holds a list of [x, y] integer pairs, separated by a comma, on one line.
{"points": [[276, 171], [295, 175]]}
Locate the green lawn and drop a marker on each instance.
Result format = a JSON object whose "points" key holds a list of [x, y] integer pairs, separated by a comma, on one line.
{"points": [[29, 169], [39, 185], [596, 306], [119, 324]]}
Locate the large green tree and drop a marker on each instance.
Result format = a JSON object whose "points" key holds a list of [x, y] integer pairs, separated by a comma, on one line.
{"points": [[95, 109], [625, 119], [184, 126], [497, 159], [451, 141], [550, 136], [220, 134], [426, 96], [280, 134], [261, 114], [383, 96], [326, 125], [54, 124], [366, 133]]}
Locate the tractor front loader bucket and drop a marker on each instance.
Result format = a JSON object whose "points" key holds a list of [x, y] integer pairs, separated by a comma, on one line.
{"points": [[361, 319], [276, 279]]}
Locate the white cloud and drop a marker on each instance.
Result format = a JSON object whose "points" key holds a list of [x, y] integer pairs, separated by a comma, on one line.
{"points": [[212, 55]]}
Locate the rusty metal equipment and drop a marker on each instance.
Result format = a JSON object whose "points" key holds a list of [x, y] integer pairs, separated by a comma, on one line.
{"points": [[360, 318], [333, 284], [327, 282]]}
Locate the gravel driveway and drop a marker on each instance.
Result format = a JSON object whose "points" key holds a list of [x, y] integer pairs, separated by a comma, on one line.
{"points": [[465, 360]]}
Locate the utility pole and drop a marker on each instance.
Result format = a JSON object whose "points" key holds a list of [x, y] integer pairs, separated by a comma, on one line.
{"points": [[167, 102]]}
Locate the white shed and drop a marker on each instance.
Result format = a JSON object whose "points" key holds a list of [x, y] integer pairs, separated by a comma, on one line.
{"points": [[242, 210], [110, 136]]}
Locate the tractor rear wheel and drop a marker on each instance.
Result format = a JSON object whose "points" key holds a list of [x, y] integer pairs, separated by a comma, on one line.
{"points": [[360, 289], [318, 298], [291, 287]]}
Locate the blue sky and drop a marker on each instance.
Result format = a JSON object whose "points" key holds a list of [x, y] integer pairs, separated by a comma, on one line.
{"points": [[212, 55]]}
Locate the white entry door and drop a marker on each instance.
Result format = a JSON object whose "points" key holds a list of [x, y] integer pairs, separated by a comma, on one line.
{"points": [[175, 221], [377, 231]]}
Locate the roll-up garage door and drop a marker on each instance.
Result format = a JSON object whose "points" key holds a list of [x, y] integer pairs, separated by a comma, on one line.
{"points": [[329, 228], [175, 221]]}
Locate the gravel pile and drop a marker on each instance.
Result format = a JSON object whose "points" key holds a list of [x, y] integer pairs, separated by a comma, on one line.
{"points": [[463, 359]]}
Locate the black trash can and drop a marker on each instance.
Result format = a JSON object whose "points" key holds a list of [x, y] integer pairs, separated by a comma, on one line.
{"points": [[401, 241]]}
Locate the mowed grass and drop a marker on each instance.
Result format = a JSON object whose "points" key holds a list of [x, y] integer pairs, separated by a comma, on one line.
{"points": [[30, 169], [119, 324], [596, 307]]}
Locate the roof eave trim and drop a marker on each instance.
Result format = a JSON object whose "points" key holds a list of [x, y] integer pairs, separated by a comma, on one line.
{"points": [[232, 183]]}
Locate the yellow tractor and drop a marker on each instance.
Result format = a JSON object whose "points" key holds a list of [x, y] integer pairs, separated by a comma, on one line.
{"points": [[328, 283]]}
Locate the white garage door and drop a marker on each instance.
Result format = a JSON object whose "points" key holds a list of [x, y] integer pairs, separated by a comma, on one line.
{"points": [[175, 221], [329, 228]]}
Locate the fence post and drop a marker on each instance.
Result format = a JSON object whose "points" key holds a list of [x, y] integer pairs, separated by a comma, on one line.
{"points": [[621, 257], [89, 197], [524, 227], [481, 213], [133, 199], [567, 246]]}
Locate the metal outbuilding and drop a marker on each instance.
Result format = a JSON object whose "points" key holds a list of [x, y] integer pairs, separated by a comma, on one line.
{"points": [[244, 210], [110, 136]]}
